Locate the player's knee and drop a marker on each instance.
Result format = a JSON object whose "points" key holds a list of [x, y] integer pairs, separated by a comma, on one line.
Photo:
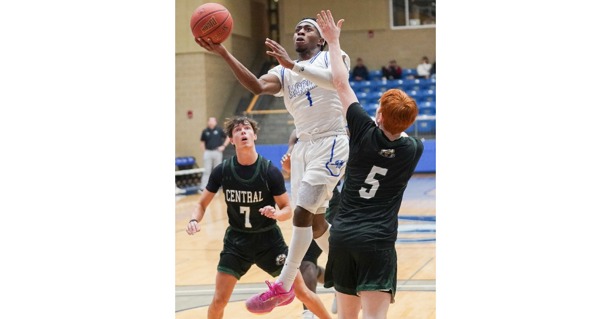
{"points": [[307, 266], [302, 217], [220, 302]]}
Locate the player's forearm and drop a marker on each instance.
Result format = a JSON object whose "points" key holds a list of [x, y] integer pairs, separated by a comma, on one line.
{"points": [[202, 204], [243, 75], [284, 214], [198, 213], [321, 77], [341, 75]]}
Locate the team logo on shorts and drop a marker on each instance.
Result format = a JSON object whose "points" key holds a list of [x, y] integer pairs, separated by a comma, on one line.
{"points": [[334, 168], [391, 153], [280, 259]]}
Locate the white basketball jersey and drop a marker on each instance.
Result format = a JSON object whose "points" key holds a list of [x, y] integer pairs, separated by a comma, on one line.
{"points": [[315, 110]]}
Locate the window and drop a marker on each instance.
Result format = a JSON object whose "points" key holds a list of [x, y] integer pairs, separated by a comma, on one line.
{"points": [[413, 13]]}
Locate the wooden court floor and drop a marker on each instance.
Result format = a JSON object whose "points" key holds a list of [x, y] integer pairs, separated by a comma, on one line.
{"points": [[197, 257]]}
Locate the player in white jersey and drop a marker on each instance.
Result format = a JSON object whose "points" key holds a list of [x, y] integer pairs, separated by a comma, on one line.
{"points": [[318, 158]]}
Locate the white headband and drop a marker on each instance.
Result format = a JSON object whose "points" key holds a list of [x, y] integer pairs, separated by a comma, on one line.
{"points": [[313, 22]]}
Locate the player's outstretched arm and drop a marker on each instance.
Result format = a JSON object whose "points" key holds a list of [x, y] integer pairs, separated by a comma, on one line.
{"points": [[331, 32], [320, 76], [204, 200], [266, 84]]}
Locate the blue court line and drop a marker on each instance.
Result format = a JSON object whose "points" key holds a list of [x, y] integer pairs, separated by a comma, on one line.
{"points": [[415, 217], [417, 231], [407, 229]]}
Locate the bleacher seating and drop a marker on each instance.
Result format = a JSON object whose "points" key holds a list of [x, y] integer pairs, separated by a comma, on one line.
{"points": [[374, 96], [408, 73], [415, 94], [393, 84], [370, 108], [422, 90], [417, 84], [427, 108], [375, 74], [362, 96], [426, 125], [187, 162], [188, 175], [361, 86], [427, 96], [378, 85]]}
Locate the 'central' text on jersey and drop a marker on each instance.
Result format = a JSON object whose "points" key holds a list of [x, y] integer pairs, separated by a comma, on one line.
{"points": [[246, 197]]}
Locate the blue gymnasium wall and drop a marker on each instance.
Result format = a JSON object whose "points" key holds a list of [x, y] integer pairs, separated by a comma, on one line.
{"points": [[427, 163]]}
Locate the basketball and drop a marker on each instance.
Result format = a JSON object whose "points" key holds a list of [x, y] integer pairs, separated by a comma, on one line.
{"points": [[212, 20]]}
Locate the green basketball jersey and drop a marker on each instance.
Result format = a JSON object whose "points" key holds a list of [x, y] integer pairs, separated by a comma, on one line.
{"points": [[375, 179], [244, 197]]}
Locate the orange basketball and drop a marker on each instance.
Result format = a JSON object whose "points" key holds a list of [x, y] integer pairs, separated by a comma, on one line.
{"points": [[212, 20]]}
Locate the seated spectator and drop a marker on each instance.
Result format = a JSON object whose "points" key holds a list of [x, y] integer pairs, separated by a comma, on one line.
{"points": [[433, 70], [392, 71], [423, 69], [360, 72]]}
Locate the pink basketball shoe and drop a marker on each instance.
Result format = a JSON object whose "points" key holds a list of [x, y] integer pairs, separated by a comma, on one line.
{"points": [[266, 301]]}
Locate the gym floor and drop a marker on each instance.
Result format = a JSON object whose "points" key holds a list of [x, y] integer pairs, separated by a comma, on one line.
{"points": [[197, 257]]}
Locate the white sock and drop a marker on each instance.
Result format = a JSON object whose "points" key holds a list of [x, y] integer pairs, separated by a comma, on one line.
{"points": [[322, 241], [299, 244]]}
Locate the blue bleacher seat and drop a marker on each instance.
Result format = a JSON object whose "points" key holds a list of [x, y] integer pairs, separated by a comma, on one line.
{"points": [[408, 72], [384, 85], [379, 85], [395, 84], [426, 125], [429, 92], [370, 108], [416, 84], [431, 84], [362, 97], [357, 86], [366, 86], [427, 96], [187, 181], [428, 104], [408, 85], [420, 84], [413, 94], [375, 74], [373, 97], [427, 108], [185, 162]]}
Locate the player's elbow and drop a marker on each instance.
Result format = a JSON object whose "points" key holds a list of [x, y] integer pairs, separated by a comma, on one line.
{"points": [[340, 81], [256, 89], [340, 84]]}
